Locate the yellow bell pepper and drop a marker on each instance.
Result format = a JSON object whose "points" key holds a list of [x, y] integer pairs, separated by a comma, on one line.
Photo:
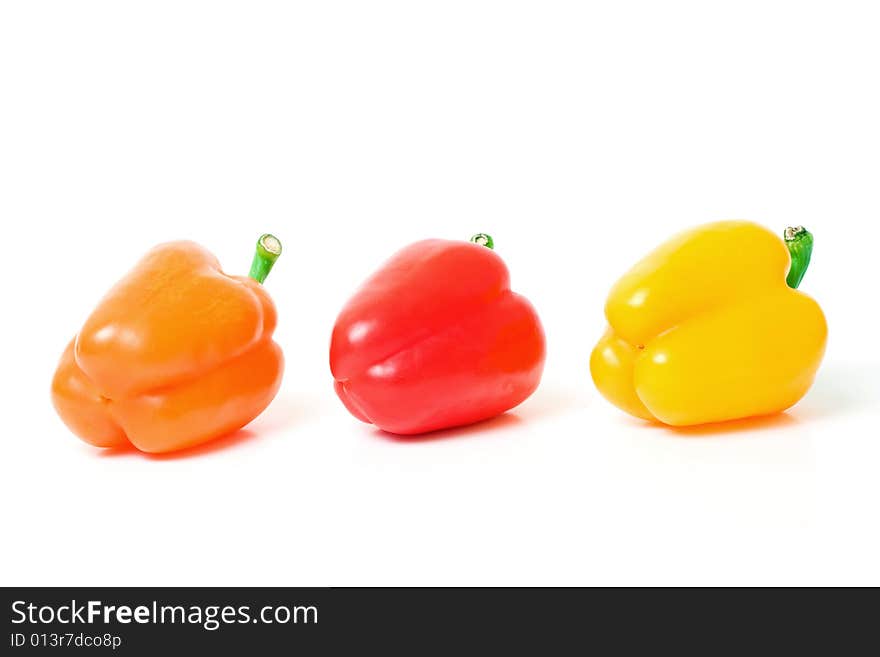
{"points": [[709, 327]]}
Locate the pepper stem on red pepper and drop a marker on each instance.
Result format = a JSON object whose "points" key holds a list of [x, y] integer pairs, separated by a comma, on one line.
{"points": [[800, 245], [268, 250], [483, 240]]}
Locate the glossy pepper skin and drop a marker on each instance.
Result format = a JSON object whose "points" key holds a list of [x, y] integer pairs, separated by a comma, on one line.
{"points": [[176, 354], [706, 329], [436, 339]]}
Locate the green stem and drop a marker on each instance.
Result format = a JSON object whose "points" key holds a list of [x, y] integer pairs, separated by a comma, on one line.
{"points": [[483, 240], [268, 250], [800, 245]]}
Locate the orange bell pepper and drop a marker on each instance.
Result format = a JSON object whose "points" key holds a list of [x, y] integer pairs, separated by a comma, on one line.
{"points": [[176, 354]]}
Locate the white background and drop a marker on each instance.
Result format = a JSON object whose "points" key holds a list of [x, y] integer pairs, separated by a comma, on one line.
{"points": [[579, 135]]}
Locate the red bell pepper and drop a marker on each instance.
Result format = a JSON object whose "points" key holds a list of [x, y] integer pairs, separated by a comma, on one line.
{"points": [[436, 339]]}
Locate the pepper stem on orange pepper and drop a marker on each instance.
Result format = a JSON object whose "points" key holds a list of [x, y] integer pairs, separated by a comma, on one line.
{"points": [[268, 250], [800, 245], [483, 240]]}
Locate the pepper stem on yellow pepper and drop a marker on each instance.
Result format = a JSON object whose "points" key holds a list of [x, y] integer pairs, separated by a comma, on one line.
{"points": [[800, 245], [268, 250], [483, 239]]}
